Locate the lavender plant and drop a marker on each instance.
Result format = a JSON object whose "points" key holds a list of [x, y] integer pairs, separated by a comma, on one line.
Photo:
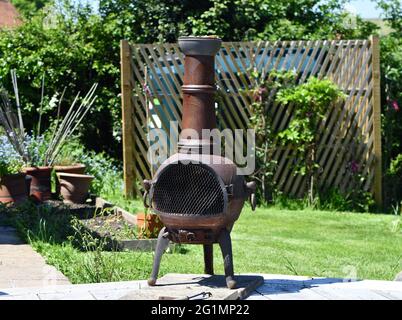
{"points": [[10, 161]]}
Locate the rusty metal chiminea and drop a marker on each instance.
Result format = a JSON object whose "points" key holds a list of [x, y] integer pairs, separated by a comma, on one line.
{"points": [[198, 194]]}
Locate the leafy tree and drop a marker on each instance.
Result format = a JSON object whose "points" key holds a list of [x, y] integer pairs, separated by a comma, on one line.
{"points": [[393, 14], [73, 46], [391, 87], [30, 7], [72, 51]]}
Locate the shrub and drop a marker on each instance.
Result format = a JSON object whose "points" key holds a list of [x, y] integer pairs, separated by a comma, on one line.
{"points": [[108, 175], [74, 47], [10, 161], [311, 101]]}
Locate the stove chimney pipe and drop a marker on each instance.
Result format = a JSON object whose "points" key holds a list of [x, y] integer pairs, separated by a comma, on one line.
{"points": [[198, 87]]}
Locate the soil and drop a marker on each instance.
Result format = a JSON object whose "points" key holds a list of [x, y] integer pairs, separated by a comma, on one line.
{"points": [[102, 221], [113, 226], [81, 211]]}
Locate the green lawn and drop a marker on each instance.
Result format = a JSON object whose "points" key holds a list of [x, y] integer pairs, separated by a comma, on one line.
{"points": [[313, 243]]}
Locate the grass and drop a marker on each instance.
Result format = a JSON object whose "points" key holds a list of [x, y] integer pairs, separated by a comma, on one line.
{"points": [[307, 242]]}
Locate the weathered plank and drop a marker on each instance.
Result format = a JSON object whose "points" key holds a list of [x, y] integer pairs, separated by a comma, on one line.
{"points": [[129, 164]]}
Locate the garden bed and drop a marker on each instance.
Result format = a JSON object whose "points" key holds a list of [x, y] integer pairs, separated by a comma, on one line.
{"points": [[114, 225]]}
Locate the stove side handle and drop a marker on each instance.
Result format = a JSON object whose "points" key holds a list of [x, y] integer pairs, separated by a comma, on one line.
{"points": [[145, 197], [250, 191]]}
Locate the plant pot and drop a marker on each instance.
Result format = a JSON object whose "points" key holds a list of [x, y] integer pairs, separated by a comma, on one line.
{"points": [[28, 180], [40, 187], [74, 187], [13, 188], [148, 225], [77, 168]]}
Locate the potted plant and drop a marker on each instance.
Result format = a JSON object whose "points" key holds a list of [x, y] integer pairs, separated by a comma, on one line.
{"points": [[36, 168], [74, 187], [67, 159], [40, 149], [148, 224], [12, 179], [66, 163]]}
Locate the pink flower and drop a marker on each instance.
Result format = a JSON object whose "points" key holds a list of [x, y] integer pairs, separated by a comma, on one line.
{"points": [[258, 95], [147, 90], [354, 166], [395, 105]]}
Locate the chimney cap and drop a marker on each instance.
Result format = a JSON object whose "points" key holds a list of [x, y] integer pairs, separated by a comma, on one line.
{"points": [[200, 46]]}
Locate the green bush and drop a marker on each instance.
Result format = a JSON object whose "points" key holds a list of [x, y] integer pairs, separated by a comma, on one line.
{"points": [[394, 180], [10, 161], [108, 174], [74, 47]]}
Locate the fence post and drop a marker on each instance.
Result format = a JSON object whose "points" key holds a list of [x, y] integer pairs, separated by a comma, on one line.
{"points": [[375, 45], [130, 189]]}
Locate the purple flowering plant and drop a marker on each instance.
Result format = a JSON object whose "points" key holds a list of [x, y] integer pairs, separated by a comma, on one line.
{"points": [[10, 161]]}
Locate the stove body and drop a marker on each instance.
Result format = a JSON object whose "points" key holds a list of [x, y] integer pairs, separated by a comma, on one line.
{"points": [[197, 193]]}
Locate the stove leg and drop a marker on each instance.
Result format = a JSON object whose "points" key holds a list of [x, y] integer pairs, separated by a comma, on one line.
{"points": [[226, 247], [162, 244], [208, 259]]}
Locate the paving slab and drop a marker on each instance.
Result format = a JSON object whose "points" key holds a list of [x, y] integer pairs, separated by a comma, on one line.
{"points": [[274, 287], [283, 287], [93, 291], [21, 266], [181, 286]]}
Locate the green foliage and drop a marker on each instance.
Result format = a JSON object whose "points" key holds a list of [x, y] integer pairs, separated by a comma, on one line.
{"points": [[311, 101], [69, 48], [29, 7], [352, 200], [74, 47], [262, 93], [394, 181], [45, 227], [108, 175], [393, 14], [370, 242], [395, 168], [10, 167], [10, 161], [271, 20], [391, 80], [98, 266]]}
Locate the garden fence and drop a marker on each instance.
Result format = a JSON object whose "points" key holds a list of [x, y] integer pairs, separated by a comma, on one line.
{"points": [[350, 138]]}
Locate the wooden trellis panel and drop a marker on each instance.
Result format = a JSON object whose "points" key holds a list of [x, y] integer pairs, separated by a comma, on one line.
{"points": [[152, 75]]}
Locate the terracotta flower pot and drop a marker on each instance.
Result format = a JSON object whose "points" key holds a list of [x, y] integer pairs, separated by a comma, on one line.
{"points": [[74, 187], [77, 168], [148, 225], [13, 188], [40, 188]]}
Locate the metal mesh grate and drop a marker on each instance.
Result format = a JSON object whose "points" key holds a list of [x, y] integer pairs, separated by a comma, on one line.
{"points": [[188, 189]]}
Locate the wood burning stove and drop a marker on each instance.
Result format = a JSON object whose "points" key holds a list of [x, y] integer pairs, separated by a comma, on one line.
{"points": [[198, 194]]}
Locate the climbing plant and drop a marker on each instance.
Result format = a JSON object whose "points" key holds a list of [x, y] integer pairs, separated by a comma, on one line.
{"points": [[310, 101], [263, 91]]}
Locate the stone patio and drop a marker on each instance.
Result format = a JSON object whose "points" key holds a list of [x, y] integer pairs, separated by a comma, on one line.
{"points": [[275, 287], [21, 266], [25, 276]]}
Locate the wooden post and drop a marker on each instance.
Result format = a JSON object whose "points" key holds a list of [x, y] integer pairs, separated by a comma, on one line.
{"points": [[130, 189], [377, 187]]}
